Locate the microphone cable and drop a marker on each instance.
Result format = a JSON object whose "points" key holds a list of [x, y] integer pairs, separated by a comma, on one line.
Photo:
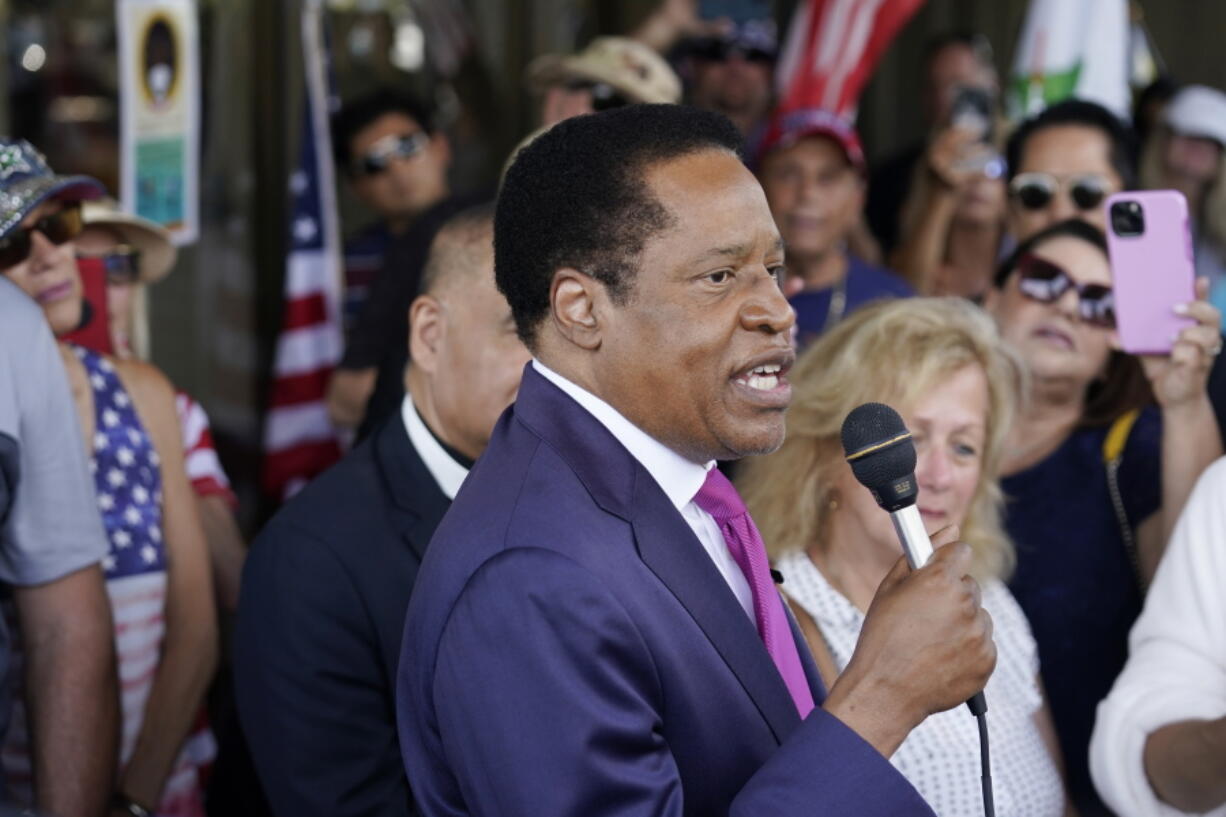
{"points": [[985, 765]]}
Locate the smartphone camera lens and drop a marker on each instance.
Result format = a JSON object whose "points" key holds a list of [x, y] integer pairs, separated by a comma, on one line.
{"points": [[1127, 218]]}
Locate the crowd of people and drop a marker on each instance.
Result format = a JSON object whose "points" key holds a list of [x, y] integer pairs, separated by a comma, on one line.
{"points": [[596, 548]]}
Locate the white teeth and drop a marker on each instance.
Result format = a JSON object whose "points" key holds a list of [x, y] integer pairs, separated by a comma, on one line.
{"points": [[770, 368], [765, 383]]}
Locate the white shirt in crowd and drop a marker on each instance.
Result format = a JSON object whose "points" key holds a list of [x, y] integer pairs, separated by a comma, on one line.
{"points": [[679, 478], [941, 756], [1176, 668]]}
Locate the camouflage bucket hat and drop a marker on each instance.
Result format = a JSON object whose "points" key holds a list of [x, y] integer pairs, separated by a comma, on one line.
{"points": [[26, 182]]}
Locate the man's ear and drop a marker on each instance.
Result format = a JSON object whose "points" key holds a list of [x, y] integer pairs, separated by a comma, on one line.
{"points": [[427, 325], [576, 303]]}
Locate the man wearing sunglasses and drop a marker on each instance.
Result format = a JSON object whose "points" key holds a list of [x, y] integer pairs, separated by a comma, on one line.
{"points": [[51, 537], [1063, 163], [396, 162], [732, 74]]}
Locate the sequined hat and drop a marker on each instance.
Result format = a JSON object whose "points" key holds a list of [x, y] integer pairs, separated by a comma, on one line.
{"points": [[26, 182]]}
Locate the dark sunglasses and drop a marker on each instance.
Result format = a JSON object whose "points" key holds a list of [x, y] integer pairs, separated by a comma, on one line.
{"points": [[379, 158], [1045, 282], [722, 50], [604, 96], [121, 265], [56, 228], [1034, 191]]}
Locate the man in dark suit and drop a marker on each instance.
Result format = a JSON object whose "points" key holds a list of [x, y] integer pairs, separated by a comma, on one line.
{"points": [[326, 585], [595, 630]]}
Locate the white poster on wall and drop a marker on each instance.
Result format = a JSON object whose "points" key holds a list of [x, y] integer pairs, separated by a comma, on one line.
{"points": [[159, 100]]}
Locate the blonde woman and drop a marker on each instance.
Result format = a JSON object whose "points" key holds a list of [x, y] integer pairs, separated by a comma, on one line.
{"points": [[941, 363]]}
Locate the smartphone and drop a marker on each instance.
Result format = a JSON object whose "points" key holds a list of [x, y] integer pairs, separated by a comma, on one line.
{"points": [[1152, 268], [973, 108]]}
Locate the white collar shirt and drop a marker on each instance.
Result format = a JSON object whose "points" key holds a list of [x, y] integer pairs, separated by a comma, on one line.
{"points": [[678, 477], [448, 473]]}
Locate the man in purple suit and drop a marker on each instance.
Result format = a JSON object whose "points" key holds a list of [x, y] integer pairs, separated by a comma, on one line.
{"points": [[594, 630]]}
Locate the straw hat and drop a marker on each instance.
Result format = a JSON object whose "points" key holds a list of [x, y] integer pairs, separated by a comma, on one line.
{"points": [[157, 254], [632, 68]]}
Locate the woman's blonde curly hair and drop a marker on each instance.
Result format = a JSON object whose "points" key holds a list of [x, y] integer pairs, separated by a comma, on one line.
{"points": [[892, 352]]}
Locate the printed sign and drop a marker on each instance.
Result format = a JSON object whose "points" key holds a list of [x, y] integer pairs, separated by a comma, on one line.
{"points": [[159, 96]]}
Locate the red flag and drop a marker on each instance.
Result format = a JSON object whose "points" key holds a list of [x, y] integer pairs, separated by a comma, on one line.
{"points": [[832, 48]]}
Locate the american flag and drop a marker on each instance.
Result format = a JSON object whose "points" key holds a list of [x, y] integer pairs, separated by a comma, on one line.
{"points": [[299, 439], [832, 49]]}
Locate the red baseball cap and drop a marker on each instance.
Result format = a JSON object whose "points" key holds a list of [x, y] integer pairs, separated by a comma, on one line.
{"points": [[788, 128]]}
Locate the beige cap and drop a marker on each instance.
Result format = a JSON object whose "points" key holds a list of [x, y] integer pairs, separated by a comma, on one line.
{"points": [[632, 68], [157, 253]]}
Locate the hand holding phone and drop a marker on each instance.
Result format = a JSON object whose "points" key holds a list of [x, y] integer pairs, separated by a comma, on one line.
{"points": [[1152, 269]]}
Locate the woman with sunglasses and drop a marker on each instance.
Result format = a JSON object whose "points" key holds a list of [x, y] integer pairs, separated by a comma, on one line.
{"points": [[1091, 499], [128, 253], [157, 565]]}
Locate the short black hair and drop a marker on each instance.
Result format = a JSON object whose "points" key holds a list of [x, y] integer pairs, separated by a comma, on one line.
{"points": [[1122, 142], [576, 197], [361, 112], [453, 248], [1069, 228]]}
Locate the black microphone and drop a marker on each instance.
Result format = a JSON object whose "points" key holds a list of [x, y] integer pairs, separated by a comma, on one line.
{"points": [[879, 450]]}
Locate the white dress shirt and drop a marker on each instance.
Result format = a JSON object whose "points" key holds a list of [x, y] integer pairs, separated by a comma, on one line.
{"points": [[448, 473], [1176, 668], [679, 478]]}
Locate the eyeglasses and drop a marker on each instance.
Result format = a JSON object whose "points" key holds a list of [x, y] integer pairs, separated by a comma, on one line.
{"points": [[1034, 191], [604, 96], [715, 50], [1045, 282], [121, 265], [379, 158], [56, 228]]}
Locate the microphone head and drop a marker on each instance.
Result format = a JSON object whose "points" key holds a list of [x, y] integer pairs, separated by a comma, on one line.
{"points": [[879, 450]]}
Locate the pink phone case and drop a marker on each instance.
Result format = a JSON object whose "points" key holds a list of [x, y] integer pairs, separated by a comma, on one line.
{"points": [[1152, 272]]}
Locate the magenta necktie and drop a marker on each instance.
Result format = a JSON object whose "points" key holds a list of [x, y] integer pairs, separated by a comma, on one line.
{"points": [[719, 498]]}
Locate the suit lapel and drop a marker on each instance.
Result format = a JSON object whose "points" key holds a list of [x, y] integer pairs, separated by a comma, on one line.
{"points": [[418, 504], [668, 546], [622, 487]]}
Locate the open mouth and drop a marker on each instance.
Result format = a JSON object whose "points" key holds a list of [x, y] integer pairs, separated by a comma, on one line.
{"points": [[763, 378], [766, 381]]}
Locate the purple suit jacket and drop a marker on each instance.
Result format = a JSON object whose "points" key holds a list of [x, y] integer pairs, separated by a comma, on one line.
{"points": [[571, 649]]}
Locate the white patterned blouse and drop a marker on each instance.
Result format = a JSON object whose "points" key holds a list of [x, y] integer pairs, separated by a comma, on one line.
{"points": [[941, 756]]}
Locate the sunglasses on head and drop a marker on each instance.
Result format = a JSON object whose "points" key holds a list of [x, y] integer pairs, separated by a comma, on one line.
{"points": [[1034, 191], [121, 265], [1045, 282], [604, 96], [722, 50], [56, 228], [379, 158]]}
